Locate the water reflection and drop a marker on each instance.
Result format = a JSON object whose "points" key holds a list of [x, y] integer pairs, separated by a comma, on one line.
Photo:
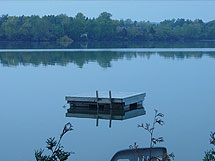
{"points": [[79, 58], [32, 99]]}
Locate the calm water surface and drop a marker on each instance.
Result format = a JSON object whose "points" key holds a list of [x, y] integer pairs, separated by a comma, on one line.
{"points": [[33, 85]]}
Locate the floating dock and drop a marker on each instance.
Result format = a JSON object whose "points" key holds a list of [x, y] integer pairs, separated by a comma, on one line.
{"points": [[106, 105]]}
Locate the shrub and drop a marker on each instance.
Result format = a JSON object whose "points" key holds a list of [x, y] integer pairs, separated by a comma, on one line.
{"points": [[55, 147], [210, 154]]}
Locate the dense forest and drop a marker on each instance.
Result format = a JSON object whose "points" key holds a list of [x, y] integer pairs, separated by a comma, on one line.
{"points": [[102, 28]]}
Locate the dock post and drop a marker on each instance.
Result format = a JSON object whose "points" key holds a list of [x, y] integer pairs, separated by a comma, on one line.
{"points": [[97, 99], [110, 97]]}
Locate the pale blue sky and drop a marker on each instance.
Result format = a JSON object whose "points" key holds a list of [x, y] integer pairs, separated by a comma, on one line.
{"points": [[154, 11]]}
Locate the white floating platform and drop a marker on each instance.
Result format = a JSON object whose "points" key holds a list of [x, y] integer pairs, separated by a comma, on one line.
{"points": [[106, 105], [117, 97]]}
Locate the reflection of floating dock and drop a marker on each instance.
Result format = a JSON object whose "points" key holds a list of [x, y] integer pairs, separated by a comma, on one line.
{"points": [[106, 105]]}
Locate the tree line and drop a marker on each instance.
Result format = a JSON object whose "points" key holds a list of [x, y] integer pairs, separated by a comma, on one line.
{"points": [[102, 28]]}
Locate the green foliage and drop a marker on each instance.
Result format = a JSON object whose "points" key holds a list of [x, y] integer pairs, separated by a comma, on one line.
{"points": [[210, 154], [54, 146], [102, 28], [65, 39]]}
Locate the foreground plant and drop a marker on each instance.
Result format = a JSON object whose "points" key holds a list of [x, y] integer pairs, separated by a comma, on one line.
{"points": [[55, 147], [154, 140], [210, 155]]}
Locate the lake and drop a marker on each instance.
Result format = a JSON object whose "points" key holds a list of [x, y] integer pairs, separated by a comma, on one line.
{"points": [[179, 82]]}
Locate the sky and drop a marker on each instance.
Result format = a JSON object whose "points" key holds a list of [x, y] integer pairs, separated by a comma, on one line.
{"points": [[154, 11]]}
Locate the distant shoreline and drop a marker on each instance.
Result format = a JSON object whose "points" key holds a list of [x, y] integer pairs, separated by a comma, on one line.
{"points": [[105, 44], [116, 41], [113, 50]]}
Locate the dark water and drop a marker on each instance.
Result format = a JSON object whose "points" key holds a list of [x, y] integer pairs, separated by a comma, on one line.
{"points": [[33, 85]]}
